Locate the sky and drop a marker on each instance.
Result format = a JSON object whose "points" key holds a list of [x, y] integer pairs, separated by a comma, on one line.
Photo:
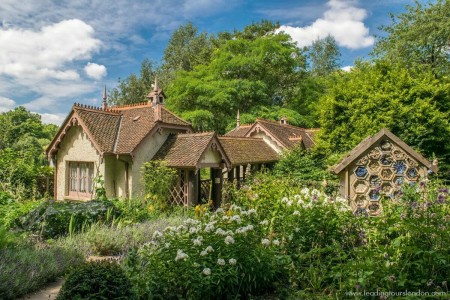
{"points": [[57, 52]]}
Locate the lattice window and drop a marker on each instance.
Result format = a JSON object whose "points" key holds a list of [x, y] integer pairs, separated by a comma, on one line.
{"points": [[81, 179]]}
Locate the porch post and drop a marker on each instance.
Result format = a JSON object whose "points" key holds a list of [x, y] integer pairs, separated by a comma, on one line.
{"points": [[238, 176], [192, 188], [217, 178], [231, 175]]}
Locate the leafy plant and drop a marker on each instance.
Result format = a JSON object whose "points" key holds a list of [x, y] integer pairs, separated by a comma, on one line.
{"points": [[158, 180], [97, 280]]}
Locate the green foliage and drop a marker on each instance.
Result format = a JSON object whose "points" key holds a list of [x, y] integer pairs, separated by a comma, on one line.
{"points": [[11, 211], [22, 141], [410, 103], [303, 165], [52, 219], [134, 88], [115, 239], [418, 37], [158, 179], [324, 56], [25, 269], [96, 280], [245, 72], [100, 191], [201, 119]]}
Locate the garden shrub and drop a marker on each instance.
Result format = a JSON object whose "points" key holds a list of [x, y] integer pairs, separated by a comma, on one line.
{"points": [[115, 239], [97, 280], [25, 268], [158, 179], [52, 219], [11, 210]]}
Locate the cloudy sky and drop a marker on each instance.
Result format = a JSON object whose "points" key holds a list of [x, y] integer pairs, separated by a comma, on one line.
{"points": [[57, 52]]}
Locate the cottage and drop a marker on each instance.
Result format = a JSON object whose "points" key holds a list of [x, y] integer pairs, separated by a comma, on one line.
{"points": [[378, 166], [115, 142]]}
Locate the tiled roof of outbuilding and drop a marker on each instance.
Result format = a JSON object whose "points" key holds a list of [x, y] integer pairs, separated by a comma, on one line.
{"points": [[244, 150]]}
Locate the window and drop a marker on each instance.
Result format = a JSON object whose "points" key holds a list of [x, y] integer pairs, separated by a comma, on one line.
{"points": [[81, 179]]}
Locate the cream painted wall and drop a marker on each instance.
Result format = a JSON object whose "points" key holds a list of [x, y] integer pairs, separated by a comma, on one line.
{"points": [[115, 176], [211, 157], [268, 141], [75, 146], [143, 153]]}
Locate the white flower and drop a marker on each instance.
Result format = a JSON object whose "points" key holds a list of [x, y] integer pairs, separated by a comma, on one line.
{"points": [[244, 213], [265, 242], [249, 227], [219, 210], [207, 271], [181, 255], [264, 222], [203, 253], [167, 245], [297, 229], [225, 218], [316, 193], [181, 228], [220, 231], [297, 197], [284, 200], [157, 234], [191, 222], [193, 230], [229, 240], [232, 261], [296, 213], [252, 211], [154, 243], [235, 207], [289, 203], [305, 192], [236, 218], [209, 227], [221, 262], [300, 202], [209, 249], [197, 242], [276, 242]]}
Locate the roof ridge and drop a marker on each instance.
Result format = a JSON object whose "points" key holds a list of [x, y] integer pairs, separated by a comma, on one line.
{"points": [[205, 133], [131, 105], [94, 108], [282, 125], [239, 137]]}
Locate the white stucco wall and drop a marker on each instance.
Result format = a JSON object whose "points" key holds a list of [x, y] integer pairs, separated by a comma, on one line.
{"points": [[75, 146], [211, 157], [115, 176], [143, 153], [268, 140]]}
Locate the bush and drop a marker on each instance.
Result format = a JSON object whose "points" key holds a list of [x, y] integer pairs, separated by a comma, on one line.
{"points": [[25, 268], [97, 280], [52, 219], [158, 180], [102, 239], [11, 210]]}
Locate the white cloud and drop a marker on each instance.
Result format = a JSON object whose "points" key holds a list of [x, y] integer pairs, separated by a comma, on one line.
{"points": [[347, 68], [56, 119], [6, 104], [45, 53], [342, 20], [95, 71]]}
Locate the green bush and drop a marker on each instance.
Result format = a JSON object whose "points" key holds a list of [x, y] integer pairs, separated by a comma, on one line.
{"points": [[25, 268], [11, 210], [97, 280], [52, 219], [158, 179], [102, 239]]}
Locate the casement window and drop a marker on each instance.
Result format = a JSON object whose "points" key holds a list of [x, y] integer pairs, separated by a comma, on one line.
{"points": [[81, 179]]}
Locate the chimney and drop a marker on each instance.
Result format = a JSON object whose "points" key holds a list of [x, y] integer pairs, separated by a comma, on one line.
{"points": [[156, 95], [104, 104], [284, 120], [238, 119]]}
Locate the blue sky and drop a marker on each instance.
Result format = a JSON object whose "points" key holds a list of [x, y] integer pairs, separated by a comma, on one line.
{"points": [[54, 53]]}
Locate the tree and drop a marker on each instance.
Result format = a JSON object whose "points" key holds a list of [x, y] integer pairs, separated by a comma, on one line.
{"points": [[134, 89], [187, 49], [324, 56], [420, 36], [244, 73], [372, 96]]}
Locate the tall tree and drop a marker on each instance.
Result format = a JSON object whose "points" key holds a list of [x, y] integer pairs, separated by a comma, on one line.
{"points": [[243, 74], [134, 88], [324, 56], [373, 96], [186, 49], [420, 36]]}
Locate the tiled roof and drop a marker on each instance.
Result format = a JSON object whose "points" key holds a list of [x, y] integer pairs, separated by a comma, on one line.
{"points": [[239, 131], [289, 135], [184, 150], [121, 129], [365, 144], [102, 125], [244, 150]]}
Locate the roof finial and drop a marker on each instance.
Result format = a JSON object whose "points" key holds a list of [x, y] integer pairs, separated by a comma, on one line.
{"points": [[104, 104], [155, 88], [238, 119]]}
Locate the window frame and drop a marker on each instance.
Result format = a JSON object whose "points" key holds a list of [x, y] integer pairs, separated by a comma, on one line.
{"points": [[83, 178]]}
